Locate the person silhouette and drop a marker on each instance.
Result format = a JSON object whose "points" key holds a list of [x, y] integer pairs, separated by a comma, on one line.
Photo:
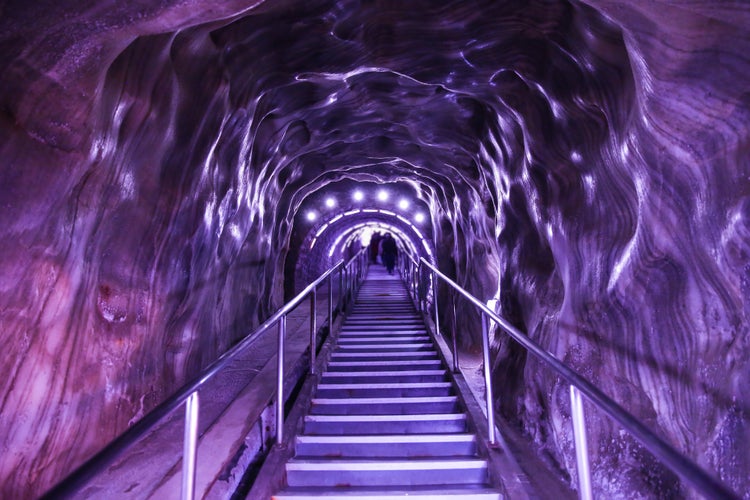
{"points": [[374, 247], [388, 252]]}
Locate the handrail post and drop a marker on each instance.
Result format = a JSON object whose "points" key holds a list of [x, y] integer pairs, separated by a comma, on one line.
{"points": [[348, 277], [454, 335], [419, 286], [415, 283], [190, 446], [280, 382], [313, 328], [330, 304], [349, 283], [435, 302], [412, 289], [341, 288], [488, 378], [579, 435], [415, 279]]}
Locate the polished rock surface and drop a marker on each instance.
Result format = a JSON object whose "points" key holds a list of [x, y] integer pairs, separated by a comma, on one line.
{"points": [[586, 164]]}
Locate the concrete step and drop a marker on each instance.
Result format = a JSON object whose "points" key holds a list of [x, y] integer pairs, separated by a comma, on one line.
{"points": [[416, 346], [381, 314], [363, 313], [384, 390], [379, 308], [397, 304], [355, 339], [380, 356], [432, 423], [384, 406], [454, 492], [412, 472], [360, 332], [385, 320], [392, 364], [394, 296], [386, 446], [383, 376], [384, 325]]}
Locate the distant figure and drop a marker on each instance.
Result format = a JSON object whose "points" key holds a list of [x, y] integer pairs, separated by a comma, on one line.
{"points": [[388, 252], [374, 247]]}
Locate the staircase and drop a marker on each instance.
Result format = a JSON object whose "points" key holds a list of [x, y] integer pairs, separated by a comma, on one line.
{"points": [[385, 421]]}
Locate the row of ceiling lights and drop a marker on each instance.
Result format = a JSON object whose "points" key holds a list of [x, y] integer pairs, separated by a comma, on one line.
{"points": [[359, 196]]}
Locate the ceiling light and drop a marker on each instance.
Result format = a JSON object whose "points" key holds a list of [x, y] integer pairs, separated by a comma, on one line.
{"points": [[382, 195], [311, 215], [358, 195], [330, 202], [403, 204], [419, 217]]}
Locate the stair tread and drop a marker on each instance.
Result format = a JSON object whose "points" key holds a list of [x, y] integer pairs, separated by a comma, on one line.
{"points": [[358, 332], [388, 438], [393, 493], [395, 354], [393, 464], [391, 385], [386, 363], [410, 345], [385, 400], [415, 417], [384, 373], [384, 338]]}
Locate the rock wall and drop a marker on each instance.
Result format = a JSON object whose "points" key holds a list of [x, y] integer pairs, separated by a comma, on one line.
{"points": [[586, 164]]}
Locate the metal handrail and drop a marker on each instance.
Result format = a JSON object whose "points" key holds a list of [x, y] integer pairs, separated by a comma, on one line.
{"points": [[189, 394], [689, 471], [347, 283]]}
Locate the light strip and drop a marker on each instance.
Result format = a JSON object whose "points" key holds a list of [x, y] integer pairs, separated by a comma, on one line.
{"points": [[384, 225], [379, 225]]}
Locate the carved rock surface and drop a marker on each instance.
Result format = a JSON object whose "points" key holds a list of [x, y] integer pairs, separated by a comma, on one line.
{"points": [[586, 163]]}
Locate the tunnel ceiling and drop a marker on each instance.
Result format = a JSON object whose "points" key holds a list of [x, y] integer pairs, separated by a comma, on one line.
{"points": [[585, 163]]}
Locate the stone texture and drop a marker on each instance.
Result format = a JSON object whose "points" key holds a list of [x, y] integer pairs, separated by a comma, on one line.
{"points": [[586, 163]]}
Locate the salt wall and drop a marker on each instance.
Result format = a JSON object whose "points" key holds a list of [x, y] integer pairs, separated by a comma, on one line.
{"points": [[586, 162]]}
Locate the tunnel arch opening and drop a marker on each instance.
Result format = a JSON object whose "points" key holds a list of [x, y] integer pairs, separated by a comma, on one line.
{"points": [[343, 234]]}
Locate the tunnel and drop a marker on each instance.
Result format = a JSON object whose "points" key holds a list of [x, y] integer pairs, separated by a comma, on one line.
{"points": [[174, 171]]}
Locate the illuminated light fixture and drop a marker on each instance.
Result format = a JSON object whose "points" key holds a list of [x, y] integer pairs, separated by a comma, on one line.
{"points": [[330, 202], [403, 204], [311, 215], [382, 195], [419, 217], [322, 228], [358, 195]]}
